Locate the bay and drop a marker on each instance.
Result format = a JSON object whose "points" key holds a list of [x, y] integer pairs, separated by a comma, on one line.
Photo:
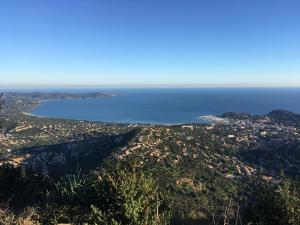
{"points": [[171, 105]]}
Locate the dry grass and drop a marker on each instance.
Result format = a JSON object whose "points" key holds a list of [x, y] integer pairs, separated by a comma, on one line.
{"points": [[28, 217]]}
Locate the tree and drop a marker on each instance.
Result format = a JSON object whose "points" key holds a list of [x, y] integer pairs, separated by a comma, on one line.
{"points": [[274, 204], [116, 195], [23, 187], [128, 197]]}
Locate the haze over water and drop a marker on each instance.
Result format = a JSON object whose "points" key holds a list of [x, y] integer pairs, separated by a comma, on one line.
{"points": [[171, 106]]}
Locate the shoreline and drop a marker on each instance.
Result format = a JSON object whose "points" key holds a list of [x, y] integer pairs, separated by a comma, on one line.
{"points": [[127, 123], [28, 112], [214, 119]]}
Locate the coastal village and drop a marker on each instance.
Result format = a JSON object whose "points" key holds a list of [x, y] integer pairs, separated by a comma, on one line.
{"points": [[30, 131], [214, 144]]}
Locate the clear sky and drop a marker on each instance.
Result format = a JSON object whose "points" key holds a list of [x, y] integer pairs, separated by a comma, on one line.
{"points": [[149, 42]]}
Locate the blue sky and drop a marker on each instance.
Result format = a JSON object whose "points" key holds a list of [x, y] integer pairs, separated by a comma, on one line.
{"points": [[149, 43]]}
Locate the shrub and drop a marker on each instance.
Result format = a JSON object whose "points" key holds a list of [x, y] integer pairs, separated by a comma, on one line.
{"points": [[23, 187], [28, 217], [274, 204], [128, 197]]}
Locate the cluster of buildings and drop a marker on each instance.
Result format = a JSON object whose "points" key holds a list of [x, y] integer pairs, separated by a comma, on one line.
{"points": [[215, 146], [32, 131]]}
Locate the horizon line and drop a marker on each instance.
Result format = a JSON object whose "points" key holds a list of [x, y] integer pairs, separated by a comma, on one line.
{"points": [[84, 86]]}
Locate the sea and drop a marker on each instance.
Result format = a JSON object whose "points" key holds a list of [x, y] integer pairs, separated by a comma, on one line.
{"points": [[170, 105]]}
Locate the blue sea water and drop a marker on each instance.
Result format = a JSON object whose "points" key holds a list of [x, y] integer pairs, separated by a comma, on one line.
{"points": [[171, 106]]}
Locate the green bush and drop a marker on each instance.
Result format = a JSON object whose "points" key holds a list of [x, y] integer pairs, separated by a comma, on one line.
{"points": [[23, 187], [115, 195], [75, 189], [273, 204], [128, 197]]}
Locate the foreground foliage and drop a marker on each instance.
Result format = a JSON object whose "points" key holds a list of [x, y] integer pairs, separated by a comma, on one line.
{"points": [[117, 196], [124, 195], [27, 217], [274, 204]]}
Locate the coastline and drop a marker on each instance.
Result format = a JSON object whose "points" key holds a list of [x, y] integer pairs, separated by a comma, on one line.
{"points": [[214, 119], [30, 114], [37, 102]]}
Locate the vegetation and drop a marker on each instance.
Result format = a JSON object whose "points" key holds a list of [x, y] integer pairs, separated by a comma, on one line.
{"points": [[120, 196], [273, 203], [27, 217], [128, 197], [285, 117], [22, 188]]}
